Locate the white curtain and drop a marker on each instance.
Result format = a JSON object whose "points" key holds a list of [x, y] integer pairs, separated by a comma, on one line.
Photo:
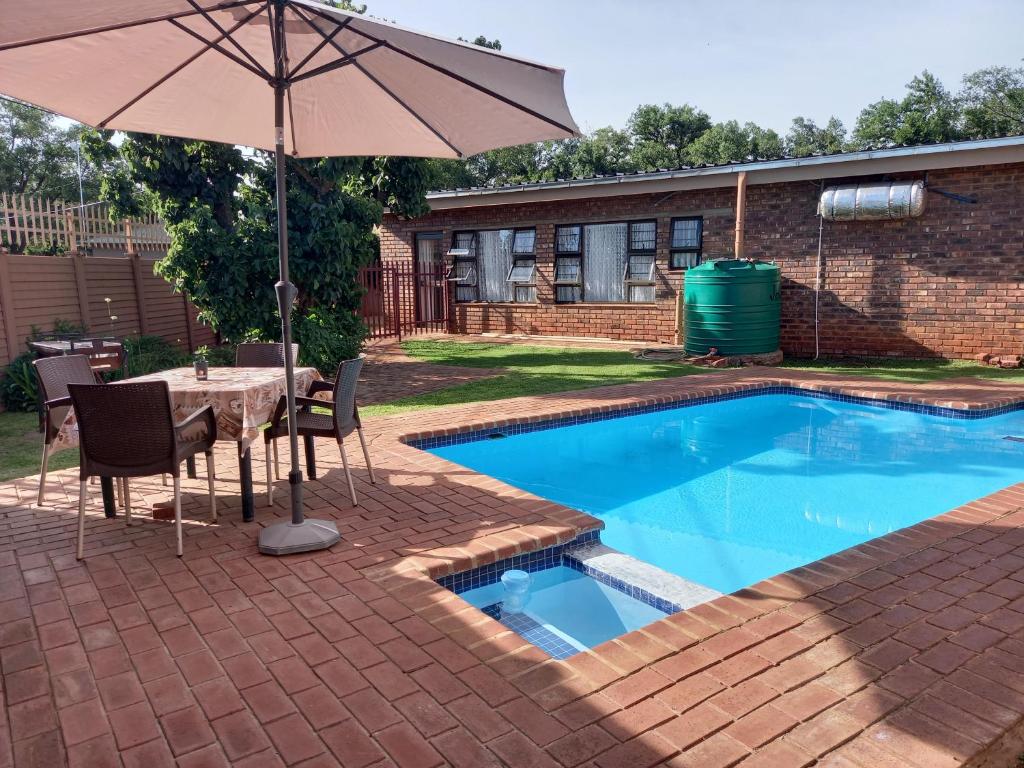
{"points": [[494, 256], [604, 262]]}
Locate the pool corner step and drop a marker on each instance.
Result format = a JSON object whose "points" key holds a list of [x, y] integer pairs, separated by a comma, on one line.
{"points": [[672, 593]]}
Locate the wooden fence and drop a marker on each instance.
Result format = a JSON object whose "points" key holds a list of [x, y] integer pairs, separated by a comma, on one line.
{"points": [[37, 290], [27, 221]]}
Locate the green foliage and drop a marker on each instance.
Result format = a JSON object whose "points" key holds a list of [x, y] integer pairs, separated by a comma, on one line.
{"points": [[150, 354], [732, 142], [928, 113], [38, 156], [993, 102], [806, 138], [662, 135], [46, 248], [219, 209], [328, 338], [218, 356], [18, 388]]}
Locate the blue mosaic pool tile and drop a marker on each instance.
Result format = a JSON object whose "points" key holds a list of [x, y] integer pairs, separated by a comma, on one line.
{"points": [[634, 410], [560, 554], [529, 562], [532, 632]]}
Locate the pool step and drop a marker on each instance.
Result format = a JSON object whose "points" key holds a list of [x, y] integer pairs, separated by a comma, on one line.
{"points": [[673, 592]]}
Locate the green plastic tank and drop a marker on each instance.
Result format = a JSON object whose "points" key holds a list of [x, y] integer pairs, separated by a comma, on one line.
{"points": [[733, 306]]}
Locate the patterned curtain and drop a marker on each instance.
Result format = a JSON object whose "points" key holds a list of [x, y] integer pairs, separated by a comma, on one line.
{"points": [[494, 255]]}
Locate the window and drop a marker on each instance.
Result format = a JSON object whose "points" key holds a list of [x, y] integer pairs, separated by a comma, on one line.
{"points": [[604, 259], [569, 264], [524, 266], [463, 272], [638, 274], [687, 242], [494, 265]]}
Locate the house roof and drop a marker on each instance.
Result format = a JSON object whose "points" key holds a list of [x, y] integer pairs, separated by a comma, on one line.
{"points": [[956, 154]]}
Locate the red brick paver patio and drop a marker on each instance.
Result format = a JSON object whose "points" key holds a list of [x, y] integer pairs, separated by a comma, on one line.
{"points": [[904, 651]]}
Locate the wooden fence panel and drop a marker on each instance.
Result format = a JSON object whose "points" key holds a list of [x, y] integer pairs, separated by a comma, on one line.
{"points": [[111, 278], [43, 289]]}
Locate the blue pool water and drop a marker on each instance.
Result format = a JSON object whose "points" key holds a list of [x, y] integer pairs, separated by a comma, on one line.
{"points": [[567, 611], [728, 493]]}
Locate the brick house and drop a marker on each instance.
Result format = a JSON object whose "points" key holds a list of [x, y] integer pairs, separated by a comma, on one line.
{"points": [[606, 257]]}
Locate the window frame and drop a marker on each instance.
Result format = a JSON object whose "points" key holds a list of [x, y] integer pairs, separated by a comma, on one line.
{"points": [[698, 250], [578, 256], [472, 259], [632, 252], [529, 257]]}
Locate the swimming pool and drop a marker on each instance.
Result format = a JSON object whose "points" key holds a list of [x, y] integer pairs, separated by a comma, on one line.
{"points": [[730, 492]]}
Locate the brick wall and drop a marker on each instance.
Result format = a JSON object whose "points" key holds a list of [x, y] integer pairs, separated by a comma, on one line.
{"points": [[949, 283]]}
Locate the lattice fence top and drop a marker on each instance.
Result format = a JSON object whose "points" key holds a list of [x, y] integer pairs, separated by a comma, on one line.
{"points": [[27, 220]]}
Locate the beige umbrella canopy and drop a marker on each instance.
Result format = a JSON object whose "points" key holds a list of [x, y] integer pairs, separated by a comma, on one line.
{"points": [[291, 76]]}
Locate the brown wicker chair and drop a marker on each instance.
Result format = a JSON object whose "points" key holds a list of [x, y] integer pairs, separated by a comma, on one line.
{"points": [[341, 422], [263, 355], [128, 430], [54, 374]]}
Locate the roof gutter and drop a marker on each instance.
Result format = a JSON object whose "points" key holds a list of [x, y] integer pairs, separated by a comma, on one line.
{"points": [[898, 159]]}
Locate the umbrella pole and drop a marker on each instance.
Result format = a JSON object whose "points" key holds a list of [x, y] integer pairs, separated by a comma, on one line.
{"points": [[300, 535], [286, 292]]}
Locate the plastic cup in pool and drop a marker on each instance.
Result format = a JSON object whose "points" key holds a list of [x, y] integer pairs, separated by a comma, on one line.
{"points": [[517, 590]]}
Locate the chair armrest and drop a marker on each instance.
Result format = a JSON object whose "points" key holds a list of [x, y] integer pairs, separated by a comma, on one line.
{"points": [[279, 411], [57, 402], [311, 402], [319, 386], [203, 414]]}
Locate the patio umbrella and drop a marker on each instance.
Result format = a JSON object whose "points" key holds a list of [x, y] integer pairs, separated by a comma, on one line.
{"points": [[291, 76]]}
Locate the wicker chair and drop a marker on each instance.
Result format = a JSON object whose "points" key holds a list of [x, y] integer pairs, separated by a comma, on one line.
{"points": [[128, 430], [341, 422], [263, 355], [54, 374]]}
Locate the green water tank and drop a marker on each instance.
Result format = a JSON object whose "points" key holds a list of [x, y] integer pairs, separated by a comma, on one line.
{"points": [[733, 306]]}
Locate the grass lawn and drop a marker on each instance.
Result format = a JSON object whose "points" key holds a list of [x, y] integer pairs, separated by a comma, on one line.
{"points": [[907, 370], [21, 447], [529, 371]]}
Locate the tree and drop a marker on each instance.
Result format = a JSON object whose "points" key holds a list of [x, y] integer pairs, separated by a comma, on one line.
{"points": [[662, 135], [38, 156], [992, 100], [806, 138], [605, 151], [928, 113], [730, 142], [218, 205]]}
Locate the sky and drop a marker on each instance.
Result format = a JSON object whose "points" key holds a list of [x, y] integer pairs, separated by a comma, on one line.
{"points": [[766, 61]]}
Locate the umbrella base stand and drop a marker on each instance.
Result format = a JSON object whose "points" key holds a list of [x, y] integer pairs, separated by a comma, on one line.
{"points": [[307, 536]]}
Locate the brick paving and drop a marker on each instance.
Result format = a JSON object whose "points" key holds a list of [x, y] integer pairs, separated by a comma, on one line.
{"points": [[904, 651]]}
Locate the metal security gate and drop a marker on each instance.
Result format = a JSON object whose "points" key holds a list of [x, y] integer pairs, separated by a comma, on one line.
{"points": [[404, 299]]}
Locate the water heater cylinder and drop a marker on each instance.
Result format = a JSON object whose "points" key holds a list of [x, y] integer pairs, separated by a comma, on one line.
{"points": [[873, 202]]}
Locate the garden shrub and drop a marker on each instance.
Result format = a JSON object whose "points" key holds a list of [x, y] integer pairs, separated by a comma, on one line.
{"points": [[325, 339], [18, 388], [150, 354]]}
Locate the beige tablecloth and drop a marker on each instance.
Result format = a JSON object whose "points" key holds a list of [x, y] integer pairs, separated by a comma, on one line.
{"points": [[242, 398]]}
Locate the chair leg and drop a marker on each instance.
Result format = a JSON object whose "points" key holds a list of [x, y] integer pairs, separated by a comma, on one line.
{"points": [[270, 480], [163, 479], [277, 464], [127, 502], [42, 472], [177, 511], [348, 474], [80, 553], [120, 495], [209, 482], [366, 455]]}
